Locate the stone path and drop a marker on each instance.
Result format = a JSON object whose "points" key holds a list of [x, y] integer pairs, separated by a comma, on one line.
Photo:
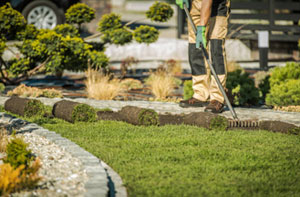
{"points": [[173, 108]]}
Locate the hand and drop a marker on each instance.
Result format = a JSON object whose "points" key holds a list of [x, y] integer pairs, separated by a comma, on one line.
{"points": [[180, 3], [200, 37]]}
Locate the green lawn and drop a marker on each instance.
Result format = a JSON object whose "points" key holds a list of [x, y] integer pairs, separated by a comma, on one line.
{"points": [[191, 161]]}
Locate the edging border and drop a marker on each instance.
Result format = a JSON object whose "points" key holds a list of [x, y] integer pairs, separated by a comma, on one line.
{"points": [[102, 179]]}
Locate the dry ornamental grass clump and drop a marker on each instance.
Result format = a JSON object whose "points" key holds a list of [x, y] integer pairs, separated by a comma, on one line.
{"points": [[161, 84], [100, 86], [27, 91], [3, 140]]}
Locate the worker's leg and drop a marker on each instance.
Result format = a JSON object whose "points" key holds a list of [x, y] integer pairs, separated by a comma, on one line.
{"points": [[199, 75]]}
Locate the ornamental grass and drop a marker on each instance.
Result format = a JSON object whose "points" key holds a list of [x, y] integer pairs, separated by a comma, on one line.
{"points": [[100, 87]]}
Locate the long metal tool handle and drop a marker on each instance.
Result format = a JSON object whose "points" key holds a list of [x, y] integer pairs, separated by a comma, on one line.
{"points": [[210, 65]]}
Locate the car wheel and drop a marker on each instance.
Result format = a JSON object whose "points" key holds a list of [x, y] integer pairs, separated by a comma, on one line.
{"points": [[43, 14]]}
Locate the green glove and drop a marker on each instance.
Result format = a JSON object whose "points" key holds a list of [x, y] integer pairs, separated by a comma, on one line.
{"points": [[180, 3], [200, 37]]}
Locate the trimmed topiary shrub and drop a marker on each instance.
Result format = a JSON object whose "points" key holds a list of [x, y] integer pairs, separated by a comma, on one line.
{"points": [[30, 33], [109, 22], [83, 113], [160, 12], [79, 13], [285, 93], [188, 91], [145, 34], [242, 88], [11, 22], [66, 30], [120, 36]]}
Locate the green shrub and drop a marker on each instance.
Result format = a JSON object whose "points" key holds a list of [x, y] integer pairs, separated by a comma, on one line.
{"points": [[79, 13], [34, 108], [188, 91], [282, 74], [2, 87], [17, 153], [30, 33], [11, 22], [264, 87], [84, 113], [120, 36], [242, 88], [98, 59], [2, 47], [66, 30], [160, 12], [145, 34], [109, 22], [285, 93]]}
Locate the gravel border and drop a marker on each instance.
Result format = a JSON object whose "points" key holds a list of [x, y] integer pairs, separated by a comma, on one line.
{"points": [[102, 180]]}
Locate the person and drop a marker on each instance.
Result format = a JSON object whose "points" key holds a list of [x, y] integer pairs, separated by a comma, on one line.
{"points": [[211, 20]]}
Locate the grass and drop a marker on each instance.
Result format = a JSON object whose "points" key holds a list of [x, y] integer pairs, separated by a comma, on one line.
{"points": [[191, 161]]}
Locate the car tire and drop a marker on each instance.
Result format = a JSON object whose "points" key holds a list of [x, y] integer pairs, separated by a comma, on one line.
{"points": [[43, 14]]}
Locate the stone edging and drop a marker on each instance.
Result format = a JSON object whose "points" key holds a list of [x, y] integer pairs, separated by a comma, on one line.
{"points": [[102, 180]]}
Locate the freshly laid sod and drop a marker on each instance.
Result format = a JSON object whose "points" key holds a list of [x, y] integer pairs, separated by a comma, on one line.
{"points": [[191, 161]]}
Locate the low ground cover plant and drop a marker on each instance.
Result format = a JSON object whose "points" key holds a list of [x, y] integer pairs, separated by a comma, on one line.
{"points": [[191, 161], [27, 91], [20, 168]]}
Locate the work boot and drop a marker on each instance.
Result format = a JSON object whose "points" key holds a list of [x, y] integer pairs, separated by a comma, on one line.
{"points": [[215, 107], [192, 102]]}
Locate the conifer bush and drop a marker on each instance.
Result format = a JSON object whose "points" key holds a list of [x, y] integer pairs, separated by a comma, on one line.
{"points": [[160, 12], [79, 13], [66, 30], [145, 34]]}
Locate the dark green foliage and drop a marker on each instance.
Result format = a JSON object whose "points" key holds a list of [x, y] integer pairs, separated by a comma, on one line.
{"points": [[264, 87], [188, 91], [148, 117], [66, 30], [84, 113], [219, 123], [282, 74], [120, 36], [284, 94], [2, 108], [295, 131], [2, 46], [242, 88], [145, 34], [160, 12], [98, 59], [34, 108], [30, 33], [17, 153], [79, 13], [109, 22], [2, 87], [11, 22]]}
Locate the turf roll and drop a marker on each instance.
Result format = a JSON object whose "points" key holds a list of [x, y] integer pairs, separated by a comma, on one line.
{"points": [[139, 116], [206, 120], [170, 119], [24, 106], [278, 126], [108, 115], [73, 111]]}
